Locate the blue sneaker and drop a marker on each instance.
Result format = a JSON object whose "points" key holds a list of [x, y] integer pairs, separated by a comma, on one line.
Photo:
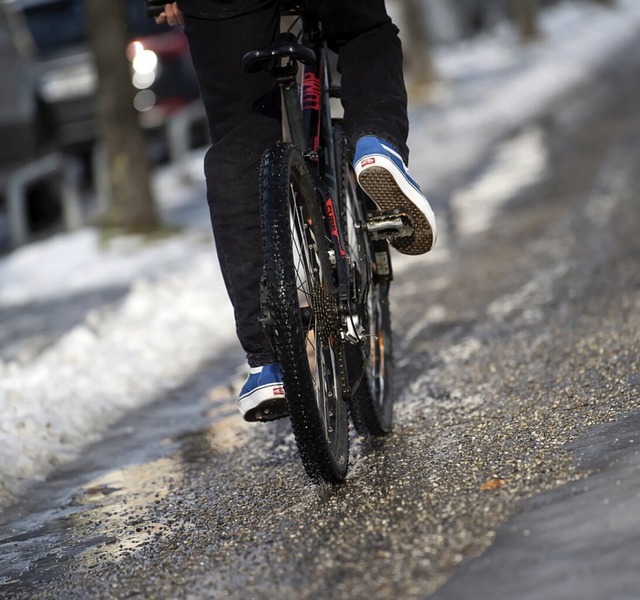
{"points": [[384, 177], [262, 396]]}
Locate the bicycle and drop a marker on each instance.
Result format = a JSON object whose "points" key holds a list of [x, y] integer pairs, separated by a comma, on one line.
{"points": [[327, 272]]}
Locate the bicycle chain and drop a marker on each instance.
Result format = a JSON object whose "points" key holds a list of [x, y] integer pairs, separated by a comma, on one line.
{"points": [[326, 310], [328, 326]]}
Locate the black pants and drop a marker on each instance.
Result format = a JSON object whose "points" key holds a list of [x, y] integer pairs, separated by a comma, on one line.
{"points": [[244, 118]]}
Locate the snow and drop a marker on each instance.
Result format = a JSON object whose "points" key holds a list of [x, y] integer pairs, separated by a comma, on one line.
{"points": [[493, 84], [175, 314]]}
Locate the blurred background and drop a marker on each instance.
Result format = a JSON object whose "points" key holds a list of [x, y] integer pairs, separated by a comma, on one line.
{"points": [[58, 143], [49, 115]]}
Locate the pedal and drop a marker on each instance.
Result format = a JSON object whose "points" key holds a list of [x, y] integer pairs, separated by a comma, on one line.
{"points": [[388, 225]]}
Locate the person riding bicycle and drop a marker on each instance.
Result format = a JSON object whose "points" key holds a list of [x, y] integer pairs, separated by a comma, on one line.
{"points": [[244, 117]]}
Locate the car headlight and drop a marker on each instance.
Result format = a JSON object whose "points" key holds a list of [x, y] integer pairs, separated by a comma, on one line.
{"points": [[144, 63]]}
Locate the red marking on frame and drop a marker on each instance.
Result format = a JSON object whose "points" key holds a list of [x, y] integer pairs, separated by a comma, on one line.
{"points": [[333, 224], [311, 86]]}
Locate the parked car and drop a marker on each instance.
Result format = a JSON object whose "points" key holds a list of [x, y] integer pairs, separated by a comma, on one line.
{"points": [[67, 81]]}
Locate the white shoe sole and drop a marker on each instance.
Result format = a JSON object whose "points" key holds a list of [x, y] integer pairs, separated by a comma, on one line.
{"points": [[385, 184], [263, 405]]}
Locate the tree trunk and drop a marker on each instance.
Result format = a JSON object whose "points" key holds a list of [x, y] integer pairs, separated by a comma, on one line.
{"points": [[131, 204], [526, 17], [417, 50]]}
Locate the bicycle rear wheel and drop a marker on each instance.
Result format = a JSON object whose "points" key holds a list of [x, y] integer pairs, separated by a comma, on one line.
{"points": [[303, 312], [370, 361]]}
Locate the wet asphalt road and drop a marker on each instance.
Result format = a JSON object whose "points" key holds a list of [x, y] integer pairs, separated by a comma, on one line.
{"points": [[513, 471]]}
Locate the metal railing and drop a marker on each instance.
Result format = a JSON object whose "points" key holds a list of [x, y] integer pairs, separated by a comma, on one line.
{"points": [[63, 171]]}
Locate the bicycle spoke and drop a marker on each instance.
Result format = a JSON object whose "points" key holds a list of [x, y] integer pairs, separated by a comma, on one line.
{"points": [[305, 315]]}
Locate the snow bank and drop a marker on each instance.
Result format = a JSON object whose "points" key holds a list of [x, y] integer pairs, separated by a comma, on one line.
{"points": [[119, 358]]}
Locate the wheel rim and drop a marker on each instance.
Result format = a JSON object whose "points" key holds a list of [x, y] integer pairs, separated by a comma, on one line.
{"points": [[373, 323], [318, 310], [376, 369]]}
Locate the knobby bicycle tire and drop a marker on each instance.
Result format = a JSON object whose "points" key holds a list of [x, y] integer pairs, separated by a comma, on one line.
{"points": [[303, 312], [370, 363]]}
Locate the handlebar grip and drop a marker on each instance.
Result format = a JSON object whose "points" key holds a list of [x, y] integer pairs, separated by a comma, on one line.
{"points": [[154, 8]]}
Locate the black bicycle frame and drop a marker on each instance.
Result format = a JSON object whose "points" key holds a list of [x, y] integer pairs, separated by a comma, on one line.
{"points": [[308, 111]]}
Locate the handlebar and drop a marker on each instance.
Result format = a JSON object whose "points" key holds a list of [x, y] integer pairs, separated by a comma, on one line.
{"points": [[155, 7]]}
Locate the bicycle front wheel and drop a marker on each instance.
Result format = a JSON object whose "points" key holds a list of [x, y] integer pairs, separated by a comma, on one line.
{"points": [[303, 312]]}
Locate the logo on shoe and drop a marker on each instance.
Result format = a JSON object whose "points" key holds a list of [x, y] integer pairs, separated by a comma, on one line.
{"points": [[278, 391], [367, 161]]}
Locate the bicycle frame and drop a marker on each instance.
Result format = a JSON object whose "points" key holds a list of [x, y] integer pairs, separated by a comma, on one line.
{"points": [[308, 111], [312, 107], [324, 303]]}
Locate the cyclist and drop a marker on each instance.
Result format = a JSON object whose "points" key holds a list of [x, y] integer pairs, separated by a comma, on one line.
{"points": [[244, 117]]}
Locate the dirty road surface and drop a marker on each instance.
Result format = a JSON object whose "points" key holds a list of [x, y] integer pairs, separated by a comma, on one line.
{"points": [[513, 471]]}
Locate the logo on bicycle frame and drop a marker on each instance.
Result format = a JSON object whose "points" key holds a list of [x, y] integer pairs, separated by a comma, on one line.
{"points": [[311, 86], [333, 224]]}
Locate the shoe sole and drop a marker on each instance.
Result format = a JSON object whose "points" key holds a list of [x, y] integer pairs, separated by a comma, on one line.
{"points": [[263, 405], [379, 183], [268, 410]]}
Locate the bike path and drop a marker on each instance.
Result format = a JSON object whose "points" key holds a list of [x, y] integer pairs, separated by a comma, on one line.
{"points": [[579, 541]]}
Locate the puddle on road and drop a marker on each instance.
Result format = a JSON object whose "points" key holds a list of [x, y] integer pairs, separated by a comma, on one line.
{"points": [[113, 515], [117, 506], [104, 519]]}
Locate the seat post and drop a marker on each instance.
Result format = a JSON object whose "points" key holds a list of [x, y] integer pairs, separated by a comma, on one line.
{"points": [[291, 100]]}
